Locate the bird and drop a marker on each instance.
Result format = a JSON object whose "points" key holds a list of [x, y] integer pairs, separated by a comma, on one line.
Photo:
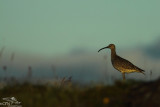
{"points": [[121, 64]]}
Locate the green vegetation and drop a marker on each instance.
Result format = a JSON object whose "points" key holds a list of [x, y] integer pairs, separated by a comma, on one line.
{"points": [[121, 94]]}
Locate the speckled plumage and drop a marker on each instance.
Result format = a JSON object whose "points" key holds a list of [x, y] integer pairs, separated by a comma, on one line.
{"points": [[121, 64], [124, 65]]}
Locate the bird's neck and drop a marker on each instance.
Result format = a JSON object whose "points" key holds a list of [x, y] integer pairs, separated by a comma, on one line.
{"points": [[113, 53]]}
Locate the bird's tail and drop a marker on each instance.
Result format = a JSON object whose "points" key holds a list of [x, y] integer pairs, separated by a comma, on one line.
{"points": [[142, 71]]}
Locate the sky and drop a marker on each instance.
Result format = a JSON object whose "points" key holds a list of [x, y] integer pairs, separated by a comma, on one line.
{"points": [[53, 27]]}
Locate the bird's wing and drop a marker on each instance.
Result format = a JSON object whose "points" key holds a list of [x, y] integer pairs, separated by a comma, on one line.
{"points": [[126, 64]]}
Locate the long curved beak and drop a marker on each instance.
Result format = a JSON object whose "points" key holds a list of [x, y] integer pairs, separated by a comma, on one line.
{"points": [[102, 48]]}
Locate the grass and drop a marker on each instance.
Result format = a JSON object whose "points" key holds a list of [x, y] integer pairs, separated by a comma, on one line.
{"points": [[121, 94]]}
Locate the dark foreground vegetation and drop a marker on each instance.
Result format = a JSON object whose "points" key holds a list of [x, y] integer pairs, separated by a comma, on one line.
{"points": [[122, 94]]}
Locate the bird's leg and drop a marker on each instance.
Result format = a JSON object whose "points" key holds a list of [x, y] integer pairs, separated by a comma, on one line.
{"points": [[123, 74]]}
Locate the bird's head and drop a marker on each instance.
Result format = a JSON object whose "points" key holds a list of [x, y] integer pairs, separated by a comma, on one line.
{"points": [[110, 46]]}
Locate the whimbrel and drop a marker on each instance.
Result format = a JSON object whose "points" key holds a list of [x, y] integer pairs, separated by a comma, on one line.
{"points": [[121, 64]]}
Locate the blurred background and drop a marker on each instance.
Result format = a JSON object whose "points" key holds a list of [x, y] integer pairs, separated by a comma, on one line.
{"points": [[49, 41]]}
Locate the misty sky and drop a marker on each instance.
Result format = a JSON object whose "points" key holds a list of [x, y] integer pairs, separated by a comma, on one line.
{"points": [[52, 27]]}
